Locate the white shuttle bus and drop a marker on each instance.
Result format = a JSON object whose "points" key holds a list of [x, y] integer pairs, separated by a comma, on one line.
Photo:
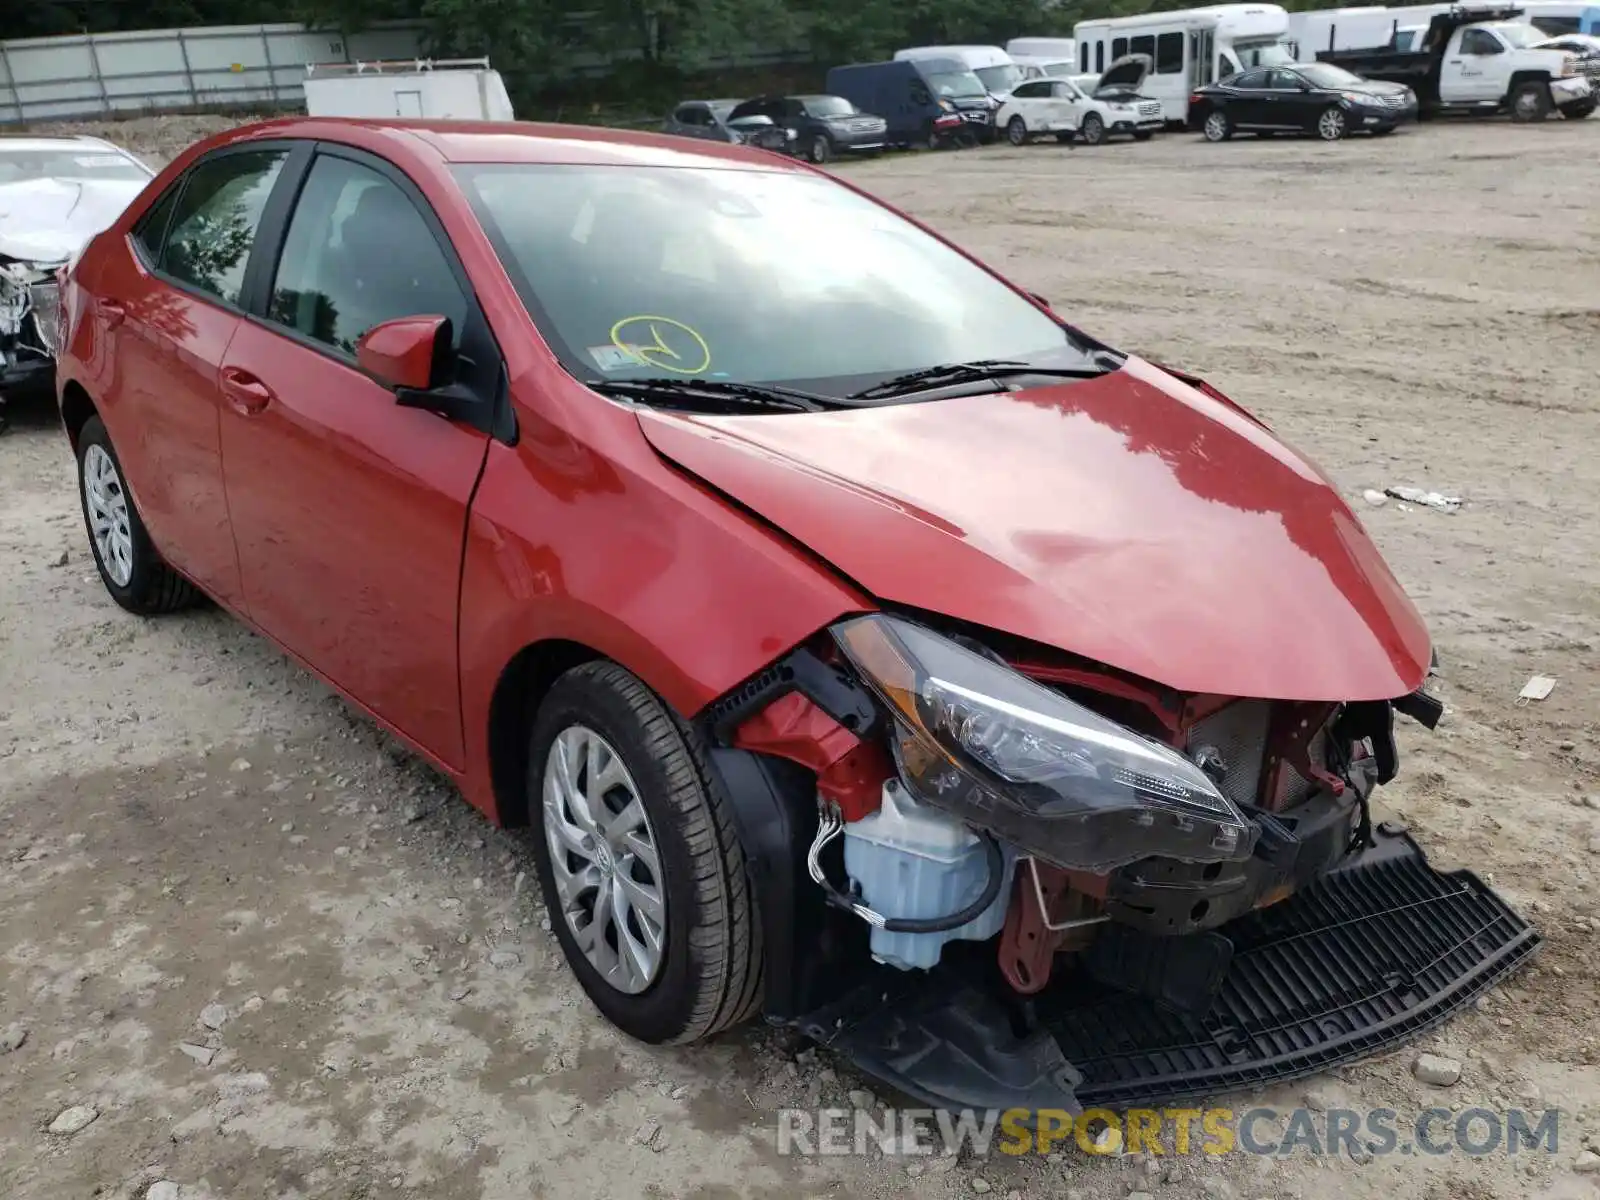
{"points": [[1188, 48]]}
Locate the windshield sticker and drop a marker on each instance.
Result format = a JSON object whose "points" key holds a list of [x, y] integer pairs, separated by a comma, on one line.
{"points": [[662, 343], [614, 358]]}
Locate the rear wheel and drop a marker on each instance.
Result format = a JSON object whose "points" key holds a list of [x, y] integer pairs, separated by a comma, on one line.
{"points": [[1331, 124], [1217, 126], [1093, 130], [1017, 131], [1530, 102], [129, 566], [641, 867]]}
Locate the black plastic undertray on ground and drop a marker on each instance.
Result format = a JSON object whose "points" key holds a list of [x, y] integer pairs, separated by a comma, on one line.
{"points": [[1376, 952]]}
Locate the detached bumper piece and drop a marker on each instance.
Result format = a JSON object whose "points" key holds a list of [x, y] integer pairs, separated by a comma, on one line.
{"points": [[1374, 953]]}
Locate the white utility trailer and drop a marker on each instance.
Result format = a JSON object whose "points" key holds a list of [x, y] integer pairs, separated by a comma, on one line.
{"points": [[447, 89]]}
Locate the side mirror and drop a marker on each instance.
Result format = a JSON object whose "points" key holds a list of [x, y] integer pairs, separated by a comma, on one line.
{"points": [[409, 354]]}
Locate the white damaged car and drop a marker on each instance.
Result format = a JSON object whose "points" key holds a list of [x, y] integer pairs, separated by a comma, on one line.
{"points": [[55, 194], [1070, 111]]}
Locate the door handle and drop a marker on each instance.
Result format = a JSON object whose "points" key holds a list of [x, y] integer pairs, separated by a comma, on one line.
{"points": [[246, 394], [115, 312]]}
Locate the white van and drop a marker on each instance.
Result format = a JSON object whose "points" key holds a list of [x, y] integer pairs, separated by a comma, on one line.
{"points": [[450, 89], [992, 65], [1190, 47], [1056, 49]]}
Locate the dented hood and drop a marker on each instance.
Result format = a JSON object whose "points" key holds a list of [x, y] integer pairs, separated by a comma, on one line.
{"points": [[46, 220], [1129, 519]]}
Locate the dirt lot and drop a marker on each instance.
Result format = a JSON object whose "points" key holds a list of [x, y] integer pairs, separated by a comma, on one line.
{"points": [[194, 833]]}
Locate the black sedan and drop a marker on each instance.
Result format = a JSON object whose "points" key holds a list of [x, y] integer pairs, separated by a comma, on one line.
{"points": [[1314, 98], [821, 126]]}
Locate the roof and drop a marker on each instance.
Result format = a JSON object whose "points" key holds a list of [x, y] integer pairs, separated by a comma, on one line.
{"points": [[78, 142], [516, 142]]}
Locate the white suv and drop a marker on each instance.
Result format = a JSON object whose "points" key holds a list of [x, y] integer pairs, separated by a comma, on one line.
{"points": [[1062, 108]]}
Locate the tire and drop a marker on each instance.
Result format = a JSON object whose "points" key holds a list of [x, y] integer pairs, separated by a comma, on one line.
{"points": [[129, 566], [1093, 130], [1578, 111], [1217, 127], [707, 975], [1017, 131], [1332, 124], [819, 150], [1530, 102]]}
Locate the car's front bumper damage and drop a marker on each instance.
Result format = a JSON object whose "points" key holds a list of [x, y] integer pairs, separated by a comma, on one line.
{"points": [[1376, 951], [29, 307]]}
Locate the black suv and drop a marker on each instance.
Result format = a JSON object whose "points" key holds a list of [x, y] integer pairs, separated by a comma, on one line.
{"points": [[823, 126]]}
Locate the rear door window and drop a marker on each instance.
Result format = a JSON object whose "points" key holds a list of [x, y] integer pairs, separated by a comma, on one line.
{"points": [[215, 221]]}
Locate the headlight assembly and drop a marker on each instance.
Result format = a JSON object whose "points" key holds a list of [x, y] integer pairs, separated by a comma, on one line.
{"points": [[984, 743]]}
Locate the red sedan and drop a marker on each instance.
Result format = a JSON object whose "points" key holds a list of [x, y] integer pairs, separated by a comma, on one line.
{"points": [[843, 619]]}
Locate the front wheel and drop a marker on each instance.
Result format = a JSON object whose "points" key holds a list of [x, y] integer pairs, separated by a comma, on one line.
{"points": [[1093, 130], [1217, 127], [1530, 102], [639, 862], [129, 566], [1017, 131], [820, 149], [1331, 124]]}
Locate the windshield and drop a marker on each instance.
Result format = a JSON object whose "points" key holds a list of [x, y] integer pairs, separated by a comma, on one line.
{"points": [[829, 106], [1329, 76], [88, 163], [641, 271], [1002, 78], [1521, 36], [1264, 54], [1060, 70], [956, 84]]}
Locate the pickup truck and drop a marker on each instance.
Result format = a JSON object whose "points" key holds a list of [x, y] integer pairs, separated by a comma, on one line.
{"points": [[1481, 60]]}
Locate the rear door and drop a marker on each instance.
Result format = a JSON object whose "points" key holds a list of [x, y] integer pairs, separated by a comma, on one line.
{"points": [[1247, 98], [349, 511], [168, 310]]}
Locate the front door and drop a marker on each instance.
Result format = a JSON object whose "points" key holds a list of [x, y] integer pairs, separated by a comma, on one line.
{"points": [[349, 511], [169, 312], [1470, 73]]}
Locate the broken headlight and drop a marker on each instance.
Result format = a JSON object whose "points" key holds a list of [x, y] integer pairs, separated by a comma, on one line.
{"points": [[987, 744]]}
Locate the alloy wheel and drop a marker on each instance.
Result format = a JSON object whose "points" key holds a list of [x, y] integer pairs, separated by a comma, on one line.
{"points": [[107, 503], [1216, 127], [603, 854], [1016, 131], [1330, 125]]}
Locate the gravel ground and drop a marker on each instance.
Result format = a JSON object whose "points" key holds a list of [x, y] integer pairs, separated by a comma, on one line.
{"points": [[275, 957]]}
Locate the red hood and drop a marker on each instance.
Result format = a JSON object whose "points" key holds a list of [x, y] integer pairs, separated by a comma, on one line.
{"points": [[1129, 519]]}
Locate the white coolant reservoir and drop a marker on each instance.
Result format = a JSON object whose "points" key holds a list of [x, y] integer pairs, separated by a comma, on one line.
{"points": [[912, 860]]}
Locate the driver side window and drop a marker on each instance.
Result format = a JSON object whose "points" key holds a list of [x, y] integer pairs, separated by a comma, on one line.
{"points": [[1477, 41], [358, 253]]}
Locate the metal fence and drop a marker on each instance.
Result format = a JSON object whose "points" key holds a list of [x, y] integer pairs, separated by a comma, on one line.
{"points": [[107, 74], [103, 74]]}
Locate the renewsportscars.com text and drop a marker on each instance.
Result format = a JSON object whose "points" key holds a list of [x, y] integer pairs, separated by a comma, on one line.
{"points": [[1169, 1131]]}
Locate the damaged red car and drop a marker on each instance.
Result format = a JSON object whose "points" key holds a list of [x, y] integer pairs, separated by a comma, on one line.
{"points": [[871, 650]]}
